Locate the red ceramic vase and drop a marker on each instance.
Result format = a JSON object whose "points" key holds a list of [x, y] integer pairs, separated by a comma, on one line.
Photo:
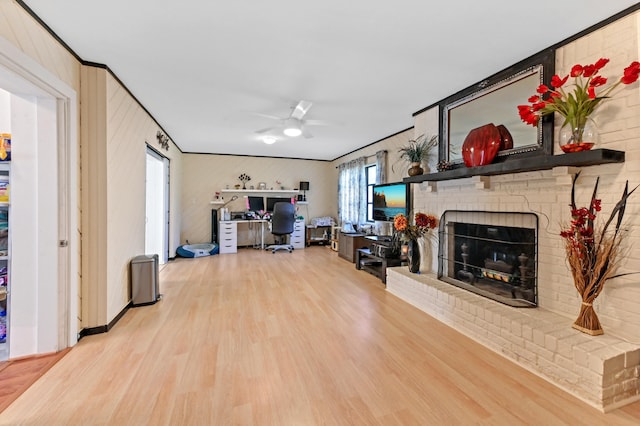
{"points": [[506, 141], [481, 145]]}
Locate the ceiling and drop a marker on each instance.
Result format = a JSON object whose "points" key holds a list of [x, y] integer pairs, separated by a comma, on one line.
{"points": [[211, 71]]}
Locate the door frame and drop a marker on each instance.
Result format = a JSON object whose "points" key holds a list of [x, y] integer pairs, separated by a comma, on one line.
{"points": [[166, 163], [23, 70]]}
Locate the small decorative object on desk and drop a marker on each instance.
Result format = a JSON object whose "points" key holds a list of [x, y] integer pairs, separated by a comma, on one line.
{"points": [[244, 178], [575, 106], [410, 234], [592, 253]]}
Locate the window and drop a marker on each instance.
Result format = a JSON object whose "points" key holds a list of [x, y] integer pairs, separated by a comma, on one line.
{"points": [[370, 172]]}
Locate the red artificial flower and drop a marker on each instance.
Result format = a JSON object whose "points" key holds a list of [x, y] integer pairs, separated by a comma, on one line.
{"points": [[538, 106], [553, 96], [557, 82], [422, 220], [631, 73], [589, 70], [575, 104], [542, 89], [576, 71], [596, 204], [527, 115], [601, 63], [586, 232]]}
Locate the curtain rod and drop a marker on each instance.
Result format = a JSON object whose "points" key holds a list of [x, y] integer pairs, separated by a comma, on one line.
{"points": [[365, 156]]}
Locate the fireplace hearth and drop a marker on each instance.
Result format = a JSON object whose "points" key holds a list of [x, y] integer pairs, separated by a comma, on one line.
{"points": [[493, 254]]}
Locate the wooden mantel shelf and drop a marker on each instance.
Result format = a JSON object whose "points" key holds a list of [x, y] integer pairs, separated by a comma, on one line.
{"points": [[526, 164]]}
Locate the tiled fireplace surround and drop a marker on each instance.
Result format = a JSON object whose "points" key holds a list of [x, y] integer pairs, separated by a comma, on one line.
{"points": [[602, 370]]}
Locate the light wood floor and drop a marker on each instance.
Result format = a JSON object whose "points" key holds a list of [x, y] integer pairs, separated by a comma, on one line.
{"points": [[16, 376], [289, 339]]}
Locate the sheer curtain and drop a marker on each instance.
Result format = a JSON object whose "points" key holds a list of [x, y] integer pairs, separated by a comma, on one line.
{"points": [[381, 167], [352, 199]]}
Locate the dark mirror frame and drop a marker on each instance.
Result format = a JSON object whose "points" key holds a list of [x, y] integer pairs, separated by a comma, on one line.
{"points": [[545, 59]]}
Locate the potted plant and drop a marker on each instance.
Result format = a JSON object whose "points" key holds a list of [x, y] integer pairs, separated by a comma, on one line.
{"points": [[417, 151]]}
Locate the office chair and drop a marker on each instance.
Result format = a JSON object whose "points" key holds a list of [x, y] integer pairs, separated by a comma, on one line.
{"points": [[282, 221]]}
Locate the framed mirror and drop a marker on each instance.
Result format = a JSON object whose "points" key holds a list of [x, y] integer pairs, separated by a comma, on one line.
{"points": [[495, 101]]}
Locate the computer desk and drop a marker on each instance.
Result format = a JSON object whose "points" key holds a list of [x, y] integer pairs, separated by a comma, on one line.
{"points": [[228, 233]]}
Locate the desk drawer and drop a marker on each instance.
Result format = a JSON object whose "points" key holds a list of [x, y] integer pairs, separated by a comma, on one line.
{"points": [[228, 237], [226, 248], [228, 226], [297, 241]]}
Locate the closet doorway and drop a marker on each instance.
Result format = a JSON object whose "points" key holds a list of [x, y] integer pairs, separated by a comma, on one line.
{"points": [[157, 205], [39, 111]]}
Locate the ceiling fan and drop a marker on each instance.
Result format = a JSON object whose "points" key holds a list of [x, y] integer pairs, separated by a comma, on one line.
{"points": [[294, 124]]}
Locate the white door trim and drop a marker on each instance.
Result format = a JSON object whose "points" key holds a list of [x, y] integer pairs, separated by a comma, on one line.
{"points": [[25, 74]]}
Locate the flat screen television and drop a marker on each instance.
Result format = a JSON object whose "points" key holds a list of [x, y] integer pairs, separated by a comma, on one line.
{"points": [[389, 199]]}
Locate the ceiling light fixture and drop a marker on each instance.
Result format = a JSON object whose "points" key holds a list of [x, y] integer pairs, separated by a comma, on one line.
{"points": [[269, 140], [292, 128]]}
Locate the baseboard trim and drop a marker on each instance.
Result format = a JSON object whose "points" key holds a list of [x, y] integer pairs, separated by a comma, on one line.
{"points": [[104, 328]]}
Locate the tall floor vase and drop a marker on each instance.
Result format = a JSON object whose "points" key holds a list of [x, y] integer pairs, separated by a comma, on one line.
{"points": [[413, 256], [425, 254]]}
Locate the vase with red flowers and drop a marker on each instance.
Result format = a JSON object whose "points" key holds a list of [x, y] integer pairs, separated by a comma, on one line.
{"points": [[575, 102], [592, 252], [411, 233]]}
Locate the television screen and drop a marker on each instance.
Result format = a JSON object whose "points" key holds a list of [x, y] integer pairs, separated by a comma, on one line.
{"points": [[389, 200], [255, 204]]}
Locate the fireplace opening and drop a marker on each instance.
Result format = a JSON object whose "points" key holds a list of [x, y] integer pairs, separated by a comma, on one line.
{"points": [[493, 254]]}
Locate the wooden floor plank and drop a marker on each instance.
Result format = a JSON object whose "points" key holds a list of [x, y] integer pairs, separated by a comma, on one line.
{"points": [[16, 376], [301, 338]]}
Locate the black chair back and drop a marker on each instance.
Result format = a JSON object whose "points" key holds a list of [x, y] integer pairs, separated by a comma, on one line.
{"points": [[283, 218]]}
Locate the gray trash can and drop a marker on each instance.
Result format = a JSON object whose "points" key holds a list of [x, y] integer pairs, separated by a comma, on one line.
{"points": [[144, 280]]}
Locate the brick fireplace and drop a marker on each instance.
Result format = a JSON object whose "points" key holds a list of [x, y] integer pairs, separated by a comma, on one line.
{"points": [[603, 370], [493, 254]]}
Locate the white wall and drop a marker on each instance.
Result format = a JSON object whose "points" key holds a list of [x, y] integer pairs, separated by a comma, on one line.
{"points": [[129, 130], [396, 169], [203, 175]]}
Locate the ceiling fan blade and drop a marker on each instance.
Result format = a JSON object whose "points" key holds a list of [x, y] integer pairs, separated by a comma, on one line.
{"points": [[271, 117], [318, 122], [301, 109], [265, 130]]}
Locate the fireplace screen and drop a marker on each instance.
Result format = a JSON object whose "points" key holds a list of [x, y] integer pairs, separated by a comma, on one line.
{"points": [[493, 254]]}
